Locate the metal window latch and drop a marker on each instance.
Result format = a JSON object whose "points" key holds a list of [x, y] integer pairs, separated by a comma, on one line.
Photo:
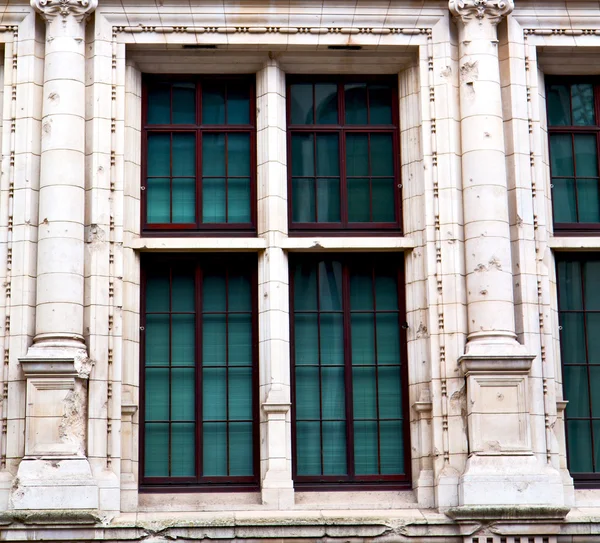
{"points": [[405, 326]]}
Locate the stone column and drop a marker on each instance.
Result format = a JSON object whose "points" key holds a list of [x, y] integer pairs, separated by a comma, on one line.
{"points": [[501, 470], [55, 473]]}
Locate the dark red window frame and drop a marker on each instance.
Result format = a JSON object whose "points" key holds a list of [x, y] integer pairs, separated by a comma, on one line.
{"points": [[575, 229], [213, 483], [199, 228], [345, 228], [352, 481]]}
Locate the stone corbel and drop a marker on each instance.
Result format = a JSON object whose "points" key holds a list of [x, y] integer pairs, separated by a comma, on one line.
{"points": [[50, 9], [491, 10]]}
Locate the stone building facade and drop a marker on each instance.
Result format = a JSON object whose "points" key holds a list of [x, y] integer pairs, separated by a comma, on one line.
{"points": [[300, 269]]}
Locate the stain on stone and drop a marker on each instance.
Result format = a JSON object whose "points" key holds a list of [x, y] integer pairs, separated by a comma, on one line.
{"points": [[495, 263]]}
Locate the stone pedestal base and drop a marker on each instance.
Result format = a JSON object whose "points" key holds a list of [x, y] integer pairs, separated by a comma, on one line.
{"points": [[53, 484]]}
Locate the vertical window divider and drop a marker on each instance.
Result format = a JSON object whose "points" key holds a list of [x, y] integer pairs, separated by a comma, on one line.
{"points": [[575, 177], [170, 363], [376, 360], [227, 368], [582, 274], [347, 324], [199, 280], [315, 171], [320, 366]]}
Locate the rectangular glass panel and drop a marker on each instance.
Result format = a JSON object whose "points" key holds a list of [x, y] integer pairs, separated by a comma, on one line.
{"points": [[213, 104], [240, 449], [183, 394], [359, 197], [332, 338], [157, 340], [591, 282], [214, 445], [158, 203], [569, 283], [588, 200], [586, 155], [333, 393], [579, 446], [303, 155], [328, 158], [159, 155], [356, 103], [184, 103], [303, 200], [363, 348], [156, 449], [382, 155], [563, 200], [386, 290], [334, 448], [306, 333], [308, 448], [326, 103], [307, 393], [364, 392], [305, 286], [357, 155], [214, 394], [391, 447], [240, 393], [184, 155], [328, 197], [388, 339], [561, 155], [595, 390], [383, 193], [183, 292], [183, 450], [238, 155], [572, 338], [214, 340], [361, 289], [576, 391], [213, 293], [238, 104], [184, 200], [380, 104], [213, 155], [238, 200], [240, 293], [582, 100], [592, 321], [366, 460], [183, 341], [157, 394], [213, 199], [559, 105], [330, 285], [390, 392], [159, 104], [302, 103], [157, 293], [240, 340]]}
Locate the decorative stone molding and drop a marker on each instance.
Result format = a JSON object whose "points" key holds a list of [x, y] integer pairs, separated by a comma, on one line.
{"points": [[50, 9], [493, 10]]}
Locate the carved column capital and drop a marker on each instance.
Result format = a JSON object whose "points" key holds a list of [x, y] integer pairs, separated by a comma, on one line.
{"points": [[50, 9], [492, 10]]}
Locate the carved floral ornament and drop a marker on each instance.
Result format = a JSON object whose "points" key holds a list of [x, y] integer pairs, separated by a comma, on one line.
{"points": [[49, 9], [492, 10]]}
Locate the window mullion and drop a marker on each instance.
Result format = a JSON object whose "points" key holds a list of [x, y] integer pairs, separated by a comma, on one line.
{"points": [[199, 377], [348, 369]]}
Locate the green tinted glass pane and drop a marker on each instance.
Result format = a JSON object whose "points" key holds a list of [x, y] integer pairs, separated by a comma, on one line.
{"points": [[184, 103], [159, 155], [364, 392], [359, 196], [391, 447], [575, 390], [326, 103], [307, 393], [363, 348], [561, 155], [183, 393], [365, 448], [595, 390], [591, 286], [582, 99], [159, 105], [356, 103], [240, 293], [214, 394], [213, 199], [382, 155], [238, 200], [303, 155], [303, 200], [305, 287], [572, 338], [184, 200], [184, 155], [157, 293], [308, 448], [302, 103], [183, 450], [386, 290], [213, 104], [563, 200], [588, 200], [240, 393], [306, 333], [334, 448], [388, 339], [214, 447], [333, 393], [156, 450], [157, 394], [157, 340], [158, 194], [240, 340], [213, 155], [596, 437], [213, 292], [586, 155], [328, 197], [592, 321], [579, 446], [380, 104], [328, 159], [559, 105], [240, 449], [238, 155], [357, 155], [330, 285], [214, 340], [238, 104], [183, 293], [390, 392], [183, 342], [569, 284], [332, 338], [383, 200], [361, 289]]}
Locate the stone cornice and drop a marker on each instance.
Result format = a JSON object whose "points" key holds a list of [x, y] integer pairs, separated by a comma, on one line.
{"points": [[50, 9], [491, 10]]}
